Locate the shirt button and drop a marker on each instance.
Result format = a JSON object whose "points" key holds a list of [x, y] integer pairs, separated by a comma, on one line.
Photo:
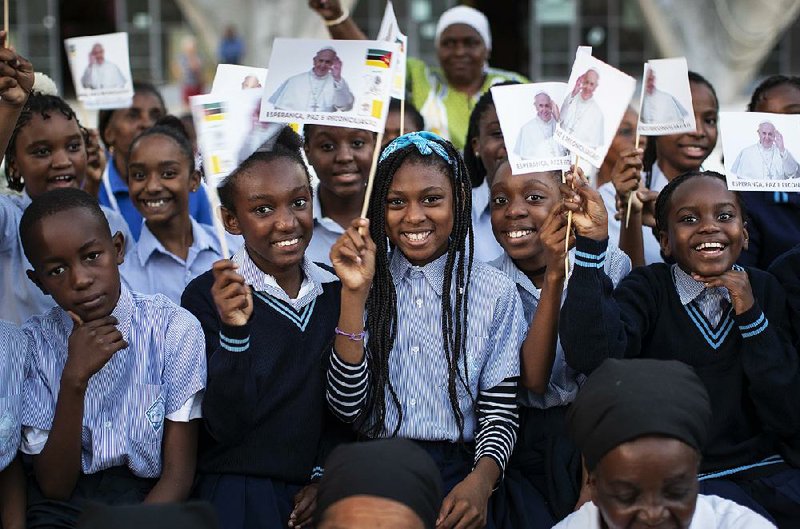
{"points": [[415, 349], [419, 302], [107, 424], [413, 402]]}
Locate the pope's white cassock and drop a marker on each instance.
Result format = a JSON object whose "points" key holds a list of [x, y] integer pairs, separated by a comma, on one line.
{"points": [[535, 140], [757, 163], [583, 120], [102, 76], [305, 92], [660, 107]]}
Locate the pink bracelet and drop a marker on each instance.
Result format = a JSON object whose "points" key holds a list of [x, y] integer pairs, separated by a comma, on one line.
{"points": [[355, 336]]}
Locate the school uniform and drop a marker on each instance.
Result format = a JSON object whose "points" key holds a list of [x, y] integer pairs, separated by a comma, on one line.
{"points": [[773, 226], [655, 181], [21, 298], [486, 246], [114, 195], [13, 362], [418, 369], [786, 269], [326, 232], [160, 375], [264, 410], [746, 362], [152, 269], [542, 481]]}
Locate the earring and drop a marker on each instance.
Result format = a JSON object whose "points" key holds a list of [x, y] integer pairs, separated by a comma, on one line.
{"points": [[477, 155]]}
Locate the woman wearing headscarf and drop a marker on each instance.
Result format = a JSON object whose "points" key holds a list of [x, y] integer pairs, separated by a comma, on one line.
{"points": [[640, 425], [446, 94]]}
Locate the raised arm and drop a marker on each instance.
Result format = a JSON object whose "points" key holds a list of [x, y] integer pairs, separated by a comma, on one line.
{"points": [[16, 83], [337, 19]]}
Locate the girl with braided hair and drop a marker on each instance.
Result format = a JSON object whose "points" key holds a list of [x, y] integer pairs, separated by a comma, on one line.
{"points": [[437, 360]]}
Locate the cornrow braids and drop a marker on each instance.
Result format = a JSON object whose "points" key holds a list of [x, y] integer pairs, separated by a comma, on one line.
{"points": [[475, 167], [171, 127], [760, 93], [381, 306], [44, 105]]}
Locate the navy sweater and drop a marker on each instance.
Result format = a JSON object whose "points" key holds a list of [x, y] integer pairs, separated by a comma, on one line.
{"points": [[264, 407], [773, 223], [747, 363], [787, 269]]}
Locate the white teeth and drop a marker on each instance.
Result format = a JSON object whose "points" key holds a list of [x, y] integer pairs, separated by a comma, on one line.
{"points": [[290, 242], [709, 246], [519, 233], [63, 178], [155, 203], [416, 237]]}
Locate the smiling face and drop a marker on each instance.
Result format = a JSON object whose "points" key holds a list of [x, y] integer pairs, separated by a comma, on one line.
{"points": [[160, 179], [647, 483], [272, 211], [50, 153], [76, 261], [590, 81], [519, 205], [127, 123], [489, 143], [341, 158], [419, 211], [323, 61], [679, 153], [766, 135], [544, 107], [705, 229], [462, 54]]}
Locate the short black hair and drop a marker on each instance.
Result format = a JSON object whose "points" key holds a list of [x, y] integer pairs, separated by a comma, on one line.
{"points": [[411, 111], [760, 93], [139, 87], [173, 128], [44, 105], [287, 145], [56, 201]]}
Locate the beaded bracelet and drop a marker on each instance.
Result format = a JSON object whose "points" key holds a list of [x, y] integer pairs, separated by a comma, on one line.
{"points": [[355, 336], [336, 21]]}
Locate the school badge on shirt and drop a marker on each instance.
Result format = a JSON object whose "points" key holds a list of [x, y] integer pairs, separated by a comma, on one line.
{"points": [[155, 414]]}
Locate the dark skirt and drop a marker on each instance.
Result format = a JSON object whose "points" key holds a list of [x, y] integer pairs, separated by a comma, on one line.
{"points": [[248, 502], [114, 486], [543, 478]]}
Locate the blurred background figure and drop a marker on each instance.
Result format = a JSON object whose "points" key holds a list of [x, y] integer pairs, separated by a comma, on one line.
{"points": [[231, 47], [191, 70]]}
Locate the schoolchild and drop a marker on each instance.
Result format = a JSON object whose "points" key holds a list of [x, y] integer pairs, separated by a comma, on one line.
{"points": [[649, 172], [115, 378], [117, 129], [173, 248], [268, 315], [530, 224], [12, 376], [46, 149], [427, 345], [341, 159], [786, 269], [730, 324]]}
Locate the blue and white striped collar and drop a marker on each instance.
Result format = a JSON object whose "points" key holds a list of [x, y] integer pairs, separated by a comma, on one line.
{"points": [[123, 311], [148, 243], [400, 268], [689, 289], [505, 264]]}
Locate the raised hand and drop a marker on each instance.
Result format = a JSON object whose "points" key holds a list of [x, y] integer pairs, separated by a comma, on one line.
{"points": [[353, 256], [627, 175], [589, 216], [578, 84], [232, 296], [779, 141], [336, 69], [16, 75], [552, 233], [327, 9], [91, 345]]}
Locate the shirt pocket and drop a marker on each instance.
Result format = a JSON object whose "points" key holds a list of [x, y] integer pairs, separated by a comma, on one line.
{"points": [[146, 413], [10, 428]]}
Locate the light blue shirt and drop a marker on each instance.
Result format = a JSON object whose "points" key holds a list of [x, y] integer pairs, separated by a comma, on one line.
{"points": [[486, 246], [564, 381], [152, 269], [326, 232], [126, 401], [12, 374], [20, 298]]}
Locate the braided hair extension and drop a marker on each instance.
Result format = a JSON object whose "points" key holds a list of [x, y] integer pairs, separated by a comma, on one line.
{"points": [[475, 167], [650, 151], [760, 93], [381, 306]]}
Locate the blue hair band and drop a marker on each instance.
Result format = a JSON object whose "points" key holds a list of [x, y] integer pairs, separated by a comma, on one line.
{"points": [[424, 141]]}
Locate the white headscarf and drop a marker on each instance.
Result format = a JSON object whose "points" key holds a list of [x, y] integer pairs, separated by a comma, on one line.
{"points": [[465, 15]]}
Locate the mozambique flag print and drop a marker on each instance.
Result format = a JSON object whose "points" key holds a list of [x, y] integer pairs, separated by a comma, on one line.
{"points": [[379, 58], [213, 112]]}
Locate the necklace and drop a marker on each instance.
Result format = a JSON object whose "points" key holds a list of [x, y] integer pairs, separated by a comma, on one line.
{"points": [[316, 94], [768, 161]]}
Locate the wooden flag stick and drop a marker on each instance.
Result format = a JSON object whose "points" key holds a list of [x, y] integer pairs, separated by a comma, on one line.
{"points": [[216, 214], [371, 179], [402, 115], [6, 17], [630, 195], [569, 226]]}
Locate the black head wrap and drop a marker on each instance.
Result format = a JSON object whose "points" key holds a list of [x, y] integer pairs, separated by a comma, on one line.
{"points": [[395, 469], [623, 400], [191, 515]]}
